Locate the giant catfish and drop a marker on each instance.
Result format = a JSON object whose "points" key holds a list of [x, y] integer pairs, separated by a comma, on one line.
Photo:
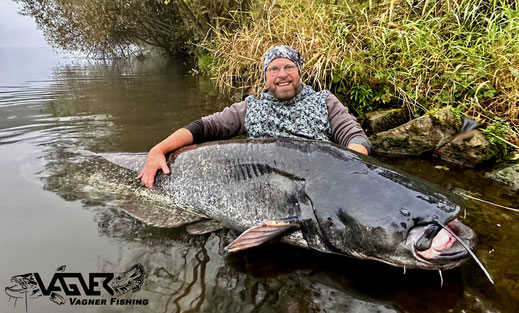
{"points": [[316, 195]]}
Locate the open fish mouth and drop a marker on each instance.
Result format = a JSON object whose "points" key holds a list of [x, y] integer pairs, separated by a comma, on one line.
{"points": [[434, 244], [15, 291]]}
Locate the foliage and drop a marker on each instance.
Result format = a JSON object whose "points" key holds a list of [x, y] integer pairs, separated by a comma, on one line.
{"points": [[495, 133], [202, 16], [360, 97], [204, 61], [302, 24], [419, 54], [109, 28]]}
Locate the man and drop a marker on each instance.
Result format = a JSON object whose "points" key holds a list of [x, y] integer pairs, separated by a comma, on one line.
{"points": [[287, 109]]}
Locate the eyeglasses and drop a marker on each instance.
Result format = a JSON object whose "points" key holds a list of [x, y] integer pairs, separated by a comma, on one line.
{"points": [[289, 69]]}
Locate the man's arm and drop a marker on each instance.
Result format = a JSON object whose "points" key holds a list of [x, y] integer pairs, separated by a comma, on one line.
{"points": [[345, 129], [225, 124], [221, 125]]}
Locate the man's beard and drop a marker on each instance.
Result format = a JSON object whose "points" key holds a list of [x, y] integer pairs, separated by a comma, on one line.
{"points": [[287, 94]]}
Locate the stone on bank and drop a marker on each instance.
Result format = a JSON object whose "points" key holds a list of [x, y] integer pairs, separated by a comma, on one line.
{"points": [[433, 133]]}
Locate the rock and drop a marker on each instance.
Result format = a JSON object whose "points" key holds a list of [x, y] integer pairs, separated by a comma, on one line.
{"points": [[382, 120], [469, 153], [418, 136], [434, 133], [508, 175]]}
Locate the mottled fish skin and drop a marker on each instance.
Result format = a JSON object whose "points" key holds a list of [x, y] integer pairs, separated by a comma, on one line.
{"points": [[238, 185], [347, 203]]}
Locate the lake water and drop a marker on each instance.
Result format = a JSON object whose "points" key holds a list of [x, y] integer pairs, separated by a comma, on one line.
{"points": [[62, 205]]}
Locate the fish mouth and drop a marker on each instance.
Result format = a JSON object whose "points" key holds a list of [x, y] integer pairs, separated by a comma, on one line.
{"points": [[433, 244], [15, 291]]}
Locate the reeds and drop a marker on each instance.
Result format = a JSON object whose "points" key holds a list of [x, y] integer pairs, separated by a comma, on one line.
{"points": [[422, 54]]}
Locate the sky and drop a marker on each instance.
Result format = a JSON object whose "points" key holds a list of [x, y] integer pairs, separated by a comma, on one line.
{"points": [[17, 30], [25, 56]]}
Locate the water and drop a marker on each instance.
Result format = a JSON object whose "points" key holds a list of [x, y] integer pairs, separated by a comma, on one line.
{"points": [[61, 205]]}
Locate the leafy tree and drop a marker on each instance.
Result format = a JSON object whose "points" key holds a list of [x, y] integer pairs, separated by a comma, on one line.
{"points": [[110, 28]]}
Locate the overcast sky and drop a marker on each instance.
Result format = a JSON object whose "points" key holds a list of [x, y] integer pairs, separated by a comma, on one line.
{"points": [[17, 30], [24, 54]]}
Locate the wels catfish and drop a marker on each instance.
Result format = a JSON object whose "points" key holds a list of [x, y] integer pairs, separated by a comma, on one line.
{"points": [[316, 195]]}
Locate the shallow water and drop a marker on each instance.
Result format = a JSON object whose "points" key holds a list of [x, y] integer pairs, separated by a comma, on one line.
{"points": [[62, 205]]}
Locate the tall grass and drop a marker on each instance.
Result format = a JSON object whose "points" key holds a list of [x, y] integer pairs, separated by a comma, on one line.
{"points": [[422, 54], [306, 25]]}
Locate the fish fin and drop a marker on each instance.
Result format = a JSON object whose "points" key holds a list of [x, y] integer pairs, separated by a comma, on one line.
{"points": [[203, 227], [262, 233]]}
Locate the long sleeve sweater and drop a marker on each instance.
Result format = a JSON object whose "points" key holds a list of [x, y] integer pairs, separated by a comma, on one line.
{"points": [[230, 122]]}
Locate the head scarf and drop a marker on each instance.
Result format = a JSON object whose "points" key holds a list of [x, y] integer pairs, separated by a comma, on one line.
{"points": [[282, 51]]}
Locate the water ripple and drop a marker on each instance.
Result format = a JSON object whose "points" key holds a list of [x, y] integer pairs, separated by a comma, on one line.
{"points": [[26, 95]]}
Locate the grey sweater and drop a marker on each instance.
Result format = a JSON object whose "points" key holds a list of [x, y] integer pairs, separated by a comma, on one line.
{"points": [[230, 123]]}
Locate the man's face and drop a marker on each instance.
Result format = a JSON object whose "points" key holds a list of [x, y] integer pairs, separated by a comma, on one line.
{"points": [[282, 85]]}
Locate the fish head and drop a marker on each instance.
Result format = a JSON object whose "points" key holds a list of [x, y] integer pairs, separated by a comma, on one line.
{"points": [[25, 286], [399, 239], [395, 218], [426, 243]]}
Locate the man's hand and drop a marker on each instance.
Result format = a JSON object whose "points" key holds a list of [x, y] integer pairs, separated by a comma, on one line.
{"points": [[358, 147], [156, 160], [157, 156]]}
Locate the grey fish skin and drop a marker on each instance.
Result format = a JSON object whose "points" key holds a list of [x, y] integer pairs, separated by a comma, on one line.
{"points": [[346, 203]]}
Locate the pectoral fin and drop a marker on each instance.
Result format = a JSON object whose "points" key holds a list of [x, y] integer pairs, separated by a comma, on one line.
{"points": [[262, 233]]}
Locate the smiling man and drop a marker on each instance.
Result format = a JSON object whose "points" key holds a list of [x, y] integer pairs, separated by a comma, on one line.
{"points": [[286, 109]]}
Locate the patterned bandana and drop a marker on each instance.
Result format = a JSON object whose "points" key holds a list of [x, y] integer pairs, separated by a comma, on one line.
{"points": [[282, 52]]}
